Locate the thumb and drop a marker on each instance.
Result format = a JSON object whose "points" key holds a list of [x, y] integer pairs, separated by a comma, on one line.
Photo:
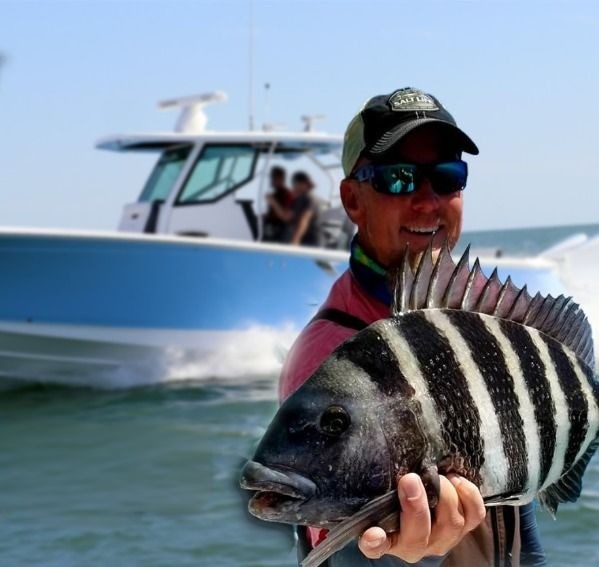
{"points": [[374, 543]]}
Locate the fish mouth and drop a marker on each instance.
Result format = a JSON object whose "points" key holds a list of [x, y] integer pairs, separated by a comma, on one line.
{"points": [[278, 493]]}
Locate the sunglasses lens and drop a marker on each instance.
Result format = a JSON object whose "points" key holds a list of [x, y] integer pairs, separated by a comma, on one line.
{"points": [[449, 177], [403, 178], [395, 179]]}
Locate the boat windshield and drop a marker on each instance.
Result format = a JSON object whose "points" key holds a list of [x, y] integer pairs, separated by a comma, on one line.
{"points": [[165, 174], [220, 169]]}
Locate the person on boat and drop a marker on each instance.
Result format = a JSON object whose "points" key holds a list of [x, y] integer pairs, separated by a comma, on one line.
{"points": [[301, 217], [279, 201], [410, 127], [303, 227]]}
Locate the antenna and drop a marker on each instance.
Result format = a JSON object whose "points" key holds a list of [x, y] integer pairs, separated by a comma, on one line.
{"points": [[310, 119], [192, 117], [251, 69], [266, 103]]}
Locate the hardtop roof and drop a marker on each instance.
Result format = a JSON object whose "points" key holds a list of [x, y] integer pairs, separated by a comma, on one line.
{"points": [[286, 141]]}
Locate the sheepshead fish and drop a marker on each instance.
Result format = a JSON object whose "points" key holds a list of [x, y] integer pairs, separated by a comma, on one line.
{"points": [[468, 375]]}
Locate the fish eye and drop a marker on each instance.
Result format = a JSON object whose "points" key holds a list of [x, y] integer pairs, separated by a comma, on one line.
{"points": [[334, 421]]}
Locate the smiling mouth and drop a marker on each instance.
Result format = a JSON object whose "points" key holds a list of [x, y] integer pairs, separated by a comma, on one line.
{"points": [[422, 230]]}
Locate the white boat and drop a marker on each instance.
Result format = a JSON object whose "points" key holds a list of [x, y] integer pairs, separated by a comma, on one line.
{"points": [[186, 287]]}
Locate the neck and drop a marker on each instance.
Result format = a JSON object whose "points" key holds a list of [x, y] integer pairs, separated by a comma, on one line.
{"points": [[369, 273]]}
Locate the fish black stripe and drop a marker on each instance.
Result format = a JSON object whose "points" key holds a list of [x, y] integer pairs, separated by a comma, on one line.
{"points": [[489, 357], [376, 358], [592, 380], [578, 408], [447, 385], [539, 390]]}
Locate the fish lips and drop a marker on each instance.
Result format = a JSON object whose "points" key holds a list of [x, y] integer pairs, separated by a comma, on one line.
{"points": [[279, 493]]}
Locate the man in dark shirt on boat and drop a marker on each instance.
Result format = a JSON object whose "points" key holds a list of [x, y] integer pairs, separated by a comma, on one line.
{"points": [[403, 186], [279, 207]]}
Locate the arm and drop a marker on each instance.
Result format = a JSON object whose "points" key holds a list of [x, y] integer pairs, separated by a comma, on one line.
{"points": [[281, 212], [302, 226]]}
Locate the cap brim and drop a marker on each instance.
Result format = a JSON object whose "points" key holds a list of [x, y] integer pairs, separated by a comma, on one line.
{"points": [[393, 136]]}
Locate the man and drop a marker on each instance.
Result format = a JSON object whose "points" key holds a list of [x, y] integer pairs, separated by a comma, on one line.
{"points": [[279, 207], [403, 186]]}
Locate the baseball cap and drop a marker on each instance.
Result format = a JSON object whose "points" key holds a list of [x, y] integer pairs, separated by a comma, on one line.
{"points": [[385, 119]]}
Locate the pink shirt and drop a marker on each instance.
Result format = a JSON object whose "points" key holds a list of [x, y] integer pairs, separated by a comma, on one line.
{"points": [[321, 337]]}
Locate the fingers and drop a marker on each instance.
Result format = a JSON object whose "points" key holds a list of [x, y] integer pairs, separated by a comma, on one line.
{"points": [[411, 542], [374, 543], [460, 510], [449, 524], [471, 501]]}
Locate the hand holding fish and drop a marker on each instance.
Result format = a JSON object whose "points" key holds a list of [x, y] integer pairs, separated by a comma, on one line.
{"points": [[460, 510]]}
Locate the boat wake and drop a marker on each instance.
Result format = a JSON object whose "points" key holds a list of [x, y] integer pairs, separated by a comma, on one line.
{"points": [[241, 356], [254, 353]]}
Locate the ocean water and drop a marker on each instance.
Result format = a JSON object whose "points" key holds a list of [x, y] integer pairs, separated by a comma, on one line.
{"points": [[147, 476]]}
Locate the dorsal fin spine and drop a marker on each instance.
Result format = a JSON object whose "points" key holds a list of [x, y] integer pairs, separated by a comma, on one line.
{"points": [[463, 263], [544, 311], [485, 292], [430, 292], [418, 282], [513, 307], [562, 324], [469, 284], [569, 324], [575, 340], [533, 309], [402, 288], [502, 295], [554, 313]]}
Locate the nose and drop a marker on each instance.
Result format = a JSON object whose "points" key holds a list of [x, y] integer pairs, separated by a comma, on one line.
{"points": [[424, 199]]}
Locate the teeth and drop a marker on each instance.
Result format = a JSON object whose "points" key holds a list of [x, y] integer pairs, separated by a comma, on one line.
{"points": [[427, 229]]}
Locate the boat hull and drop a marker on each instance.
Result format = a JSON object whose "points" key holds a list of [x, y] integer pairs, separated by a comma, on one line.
{"points": [[119, 310], [90, 308]]}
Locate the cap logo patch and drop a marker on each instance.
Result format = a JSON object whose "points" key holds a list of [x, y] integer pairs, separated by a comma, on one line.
{"points": [[411, 100]]}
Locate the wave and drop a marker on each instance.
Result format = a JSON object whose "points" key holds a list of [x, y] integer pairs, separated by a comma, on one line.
{"points": [[252, 355]]}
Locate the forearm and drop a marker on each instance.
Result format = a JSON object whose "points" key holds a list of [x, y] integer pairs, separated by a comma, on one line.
{"points": [[279, 211], [301, 228]]}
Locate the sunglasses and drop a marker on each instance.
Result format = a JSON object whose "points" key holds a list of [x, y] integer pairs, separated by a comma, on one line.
{"points": [[403, 178]]}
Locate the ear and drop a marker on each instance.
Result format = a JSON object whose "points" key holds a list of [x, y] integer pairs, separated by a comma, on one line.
{"points": [[350, 197]]}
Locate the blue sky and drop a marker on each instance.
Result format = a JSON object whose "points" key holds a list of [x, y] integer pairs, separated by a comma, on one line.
{"points": [[520, 78]]}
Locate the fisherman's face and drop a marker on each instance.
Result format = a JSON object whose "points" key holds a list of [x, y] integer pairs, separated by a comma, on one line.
{"points": [[387, 223]]}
